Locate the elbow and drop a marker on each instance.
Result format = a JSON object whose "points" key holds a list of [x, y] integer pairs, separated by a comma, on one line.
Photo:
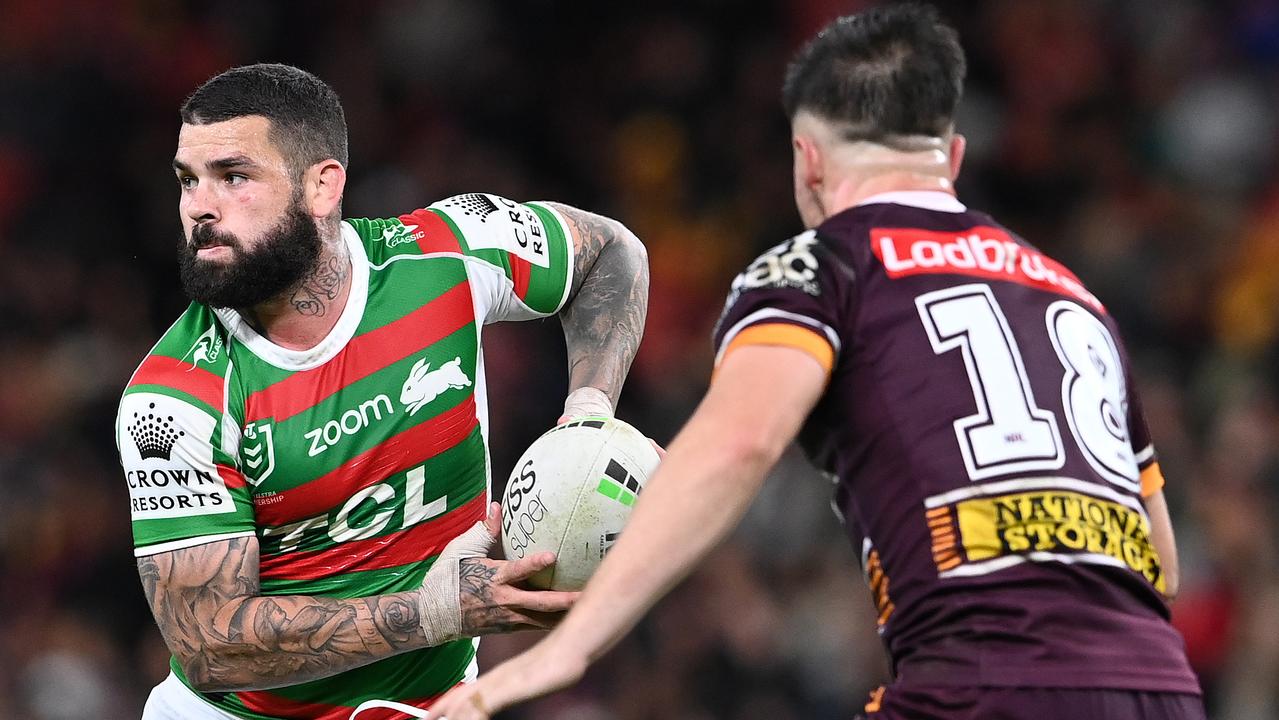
{"points": [[753, 449], [1172, 583]]}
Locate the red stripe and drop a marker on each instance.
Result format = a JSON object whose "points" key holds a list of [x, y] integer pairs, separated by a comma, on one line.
{"points": [[364, 355], [408, 546], [436, 236], [521, 273], [267, 703], [230, 477], [180, 375], [397, 454]]}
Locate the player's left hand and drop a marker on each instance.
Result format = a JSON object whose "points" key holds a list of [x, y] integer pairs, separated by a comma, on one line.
{"points": [[540, 670]]}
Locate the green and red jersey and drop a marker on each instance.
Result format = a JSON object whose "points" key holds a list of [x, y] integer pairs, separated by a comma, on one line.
{"points": [[356, 461]]}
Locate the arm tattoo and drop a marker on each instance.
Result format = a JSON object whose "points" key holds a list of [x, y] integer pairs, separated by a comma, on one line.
{"points": [[227, 637], [604, 320], [479, 611], [320, 288]]}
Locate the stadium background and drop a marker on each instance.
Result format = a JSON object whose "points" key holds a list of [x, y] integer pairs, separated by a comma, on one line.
{"points": [[1136, 141]]}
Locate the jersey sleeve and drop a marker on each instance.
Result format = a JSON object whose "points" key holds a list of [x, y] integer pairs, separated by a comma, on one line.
{"points": [[176, 443], [1143, 448], [793, 296], [520, 257]]}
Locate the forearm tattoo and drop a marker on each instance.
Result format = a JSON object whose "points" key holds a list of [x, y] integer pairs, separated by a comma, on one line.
{"points": [[228, 638], [604, 320]]}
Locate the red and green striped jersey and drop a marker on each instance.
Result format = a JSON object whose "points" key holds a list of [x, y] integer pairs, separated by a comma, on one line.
{"points": [[356, 461]]}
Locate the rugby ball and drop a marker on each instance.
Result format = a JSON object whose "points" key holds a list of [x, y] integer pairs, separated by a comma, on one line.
{"points": [[571, 493]]}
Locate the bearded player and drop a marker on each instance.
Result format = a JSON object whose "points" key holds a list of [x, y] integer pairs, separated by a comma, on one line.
{"points": [[306, 447], [969, 394]]}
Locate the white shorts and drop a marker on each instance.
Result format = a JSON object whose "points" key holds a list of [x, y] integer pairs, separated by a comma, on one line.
{"points": [[171, 700]]}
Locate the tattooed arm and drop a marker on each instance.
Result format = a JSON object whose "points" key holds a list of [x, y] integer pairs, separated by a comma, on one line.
{"points": [[229, 637], [608, 301]]}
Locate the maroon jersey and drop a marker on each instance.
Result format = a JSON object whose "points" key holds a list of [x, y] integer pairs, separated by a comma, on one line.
{"points": [[989, 448]]}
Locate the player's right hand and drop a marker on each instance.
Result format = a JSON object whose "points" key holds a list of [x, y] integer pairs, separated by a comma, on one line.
{"points": [[466, 594]]}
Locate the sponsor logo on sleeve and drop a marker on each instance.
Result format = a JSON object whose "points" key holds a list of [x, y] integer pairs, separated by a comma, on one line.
{"points": [[492, 221], [395, 235], [791, 264], [207, 348], [168, 459]]}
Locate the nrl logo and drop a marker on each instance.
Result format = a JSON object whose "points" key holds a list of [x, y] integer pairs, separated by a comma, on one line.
{"points": [[207, 348], [257, 451], [395, 235]]}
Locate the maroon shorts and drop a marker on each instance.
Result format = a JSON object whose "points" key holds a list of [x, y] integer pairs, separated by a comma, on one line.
{"points": [[994, 703]]}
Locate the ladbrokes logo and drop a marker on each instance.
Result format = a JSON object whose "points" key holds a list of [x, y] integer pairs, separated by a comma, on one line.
{"points": [[1042, 525], [154, 435], [981, 251]]}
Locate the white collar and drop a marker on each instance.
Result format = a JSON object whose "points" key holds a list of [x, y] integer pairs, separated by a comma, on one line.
{"points": [[338, 337], [925, 199]]}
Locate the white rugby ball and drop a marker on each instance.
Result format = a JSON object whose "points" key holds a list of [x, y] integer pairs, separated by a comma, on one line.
{"points": [[571, 493]]}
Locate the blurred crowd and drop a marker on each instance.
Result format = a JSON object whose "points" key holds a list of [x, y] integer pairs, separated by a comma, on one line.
{"points": [[1135, 141]]}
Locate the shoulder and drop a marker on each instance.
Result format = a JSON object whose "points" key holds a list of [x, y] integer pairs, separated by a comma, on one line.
{"points": [[189, 363], [805, 263]]}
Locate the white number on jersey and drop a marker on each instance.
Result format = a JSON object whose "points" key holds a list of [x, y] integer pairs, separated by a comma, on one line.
{"points": [[1009, 432]]}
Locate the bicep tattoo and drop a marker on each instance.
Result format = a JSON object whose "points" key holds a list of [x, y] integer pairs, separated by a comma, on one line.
{"points": [[604, 320]]}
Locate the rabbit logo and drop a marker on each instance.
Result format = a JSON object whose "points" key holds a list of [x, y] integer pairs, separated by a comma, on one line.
{"points": [[424, 384]]}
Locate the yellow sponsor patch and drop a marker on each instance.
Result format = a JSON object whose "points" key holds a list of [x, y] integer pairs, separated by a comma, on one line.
{"points": [[1057, 522]]}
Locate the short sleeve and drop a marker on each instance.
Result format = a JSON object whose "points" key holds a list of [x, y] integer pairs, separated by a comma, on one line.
{"points": [[183, 489], [793, 295], [520, 255], [1143, 448]]}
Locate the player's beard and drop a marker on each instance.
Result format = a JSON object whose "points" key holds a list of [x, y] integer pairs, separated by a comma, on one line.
{"points": [[277, 263]]}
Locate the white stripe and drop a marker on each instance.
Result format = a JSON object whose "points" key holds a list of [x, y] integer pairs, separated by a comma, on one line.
{"points": [[758, 315], [925, 199], [1145, 454], [189, 542], [1054, 483], [990, 566], [423, 256], [390, 705]]}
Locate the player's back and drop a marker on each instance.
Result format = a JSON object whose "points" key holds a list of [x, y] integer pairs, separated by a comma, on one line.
{"points": [[988, 446]]}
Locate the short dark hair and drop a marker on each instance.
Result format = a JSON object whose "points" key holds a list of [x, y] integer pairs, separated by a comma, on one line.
{"points": [[895, 70], [307, 122]]}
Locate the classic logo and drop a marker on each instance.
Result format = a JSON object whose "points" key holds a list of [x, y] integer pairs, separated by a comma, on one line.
{"points": [[154, 435], [258, 451], [206, 349], [395, 235], [424, 385]]}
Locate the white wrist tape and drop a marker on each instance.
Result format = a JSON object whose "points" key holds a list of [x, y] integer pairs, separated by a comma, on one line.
{"points": [[588, 401], [439, 598]]}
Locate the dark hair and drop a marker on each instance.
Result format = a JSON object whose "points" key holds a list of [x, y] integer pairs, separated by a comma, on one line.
{"points": [[895, 70], [307, 123]]}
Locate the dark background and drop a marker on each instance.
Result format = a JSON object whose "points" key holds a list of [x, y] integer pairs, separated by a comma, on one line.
{"points": [[1135, 141]]}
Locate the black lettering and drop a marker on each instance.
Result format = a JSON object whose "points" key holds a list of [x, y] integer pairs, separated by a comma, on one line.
{"points": [[521, 237], [528, 475], [537, 247], [163, 480], [216, 498], [184, 501], [1037, 509], [203, 477], [166, 502], [515, 217], [142, 479], [536, 231], [1007, 513], [181, 477]]}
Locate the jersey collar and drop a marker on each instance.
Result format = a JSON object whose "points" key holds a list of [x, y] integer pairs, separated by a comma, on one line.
{"points": [[338, 337], [923, 199]]}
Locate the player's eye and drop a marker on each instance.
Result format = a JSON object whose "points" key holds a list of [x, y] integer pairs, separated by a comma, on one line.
{"points": [[234, 179], [186, 181]]}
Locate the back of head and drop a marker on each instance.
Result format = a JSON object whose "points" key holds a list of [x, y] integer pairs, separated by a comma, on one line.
{"points": [[307, 122], [885, 73]]}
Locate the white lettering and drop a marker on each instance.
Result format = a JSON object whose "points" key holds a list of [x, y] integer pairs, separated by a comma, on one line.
{"points": [[416, 509], [344, 531], [351, 422], [891, 261], [293, 532]]}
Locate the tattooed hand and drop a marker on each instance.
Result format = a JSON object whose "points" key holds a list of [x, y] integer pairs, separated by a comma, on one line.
{"points": [[487, 598]]}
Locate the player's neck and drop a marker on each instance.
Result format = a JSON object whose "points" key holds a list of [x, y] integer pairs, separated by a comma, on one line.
{"points": [[299, 318], [853, 191]]}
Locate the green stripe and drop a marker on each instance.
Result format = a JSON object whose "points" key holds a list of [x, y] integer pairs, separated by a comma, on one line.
{"points": [[413, 675], [546, 285], [354, 584]]}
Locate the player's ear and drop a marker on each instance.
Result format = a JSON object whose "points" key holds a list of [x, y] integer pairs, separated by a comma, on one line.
{"points": [[958, 143], [809, 171], [322, 186]]}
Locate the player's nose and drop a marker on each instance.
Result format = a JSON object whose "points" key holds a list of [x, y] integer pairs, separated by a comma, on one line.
{"points": [[200, 205]]}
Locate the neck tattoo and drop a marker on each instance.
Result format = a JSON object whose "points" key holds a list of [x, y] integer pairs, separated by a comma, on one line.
{"points": [[320, 287]]}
